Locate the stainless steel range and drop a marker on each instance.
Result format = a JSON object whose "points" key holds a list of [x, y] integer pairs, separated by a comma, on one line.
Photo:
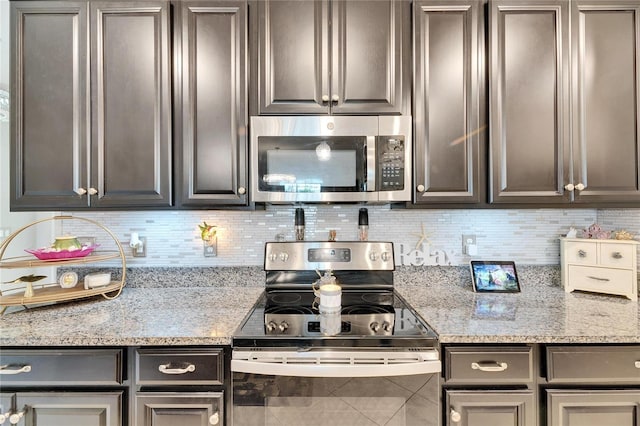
{"points": [[359, 356]]}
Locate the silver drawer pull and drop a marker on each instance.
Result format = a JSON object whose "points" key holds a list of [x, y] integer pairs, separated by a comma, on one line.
{"points": [[8, 369], [491, 366], [637, 364], [616, 255], [582, 253], [167, 369], [598, 279]]}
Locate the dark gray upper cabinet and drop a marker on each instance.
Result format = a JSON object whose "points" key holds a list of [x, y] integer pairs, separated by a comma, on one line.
{"points": [[213, 108], [538, 155], [131, 98], [529, 101], [330, 57], [449, 112], [49, 113], [605, 87], [120, 156]]}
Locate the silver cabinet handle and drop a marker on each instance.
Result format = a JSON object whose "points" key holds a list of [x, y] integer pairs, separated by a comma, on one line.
{"points": [[455, 416], [616, 255], [214, 419], [598, 278], [569, 187], [166, 369], [80, 191], [5, 369], [580, 187], [420, 188], [15, 418], [335, 98], [242, 190], [4, 417], [325, 98], [489, 366], [582, 253], [93, 191]]}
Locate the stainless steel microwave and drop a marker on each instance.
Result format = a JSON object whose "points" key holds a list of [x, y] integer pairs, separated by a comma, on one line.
{"points": [[330, 159]]}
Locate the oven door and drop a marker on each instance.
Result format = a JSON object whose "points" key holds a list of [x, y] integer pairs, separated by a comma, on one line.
{"points": [[338, 388]]}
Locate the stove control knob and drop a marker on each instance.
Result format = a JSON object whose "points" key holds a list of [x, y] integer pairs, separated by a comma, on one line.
{"points": [[271, 326], [284, 256], [373, 256], [374, 326], [385, 256], [273, 257], [283, 326], [386, 326]]}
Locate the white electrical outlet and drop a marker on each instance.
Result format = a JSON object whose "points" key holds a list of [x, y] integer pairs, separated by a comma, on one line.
{"points": [[5, 232], [469, 246]]}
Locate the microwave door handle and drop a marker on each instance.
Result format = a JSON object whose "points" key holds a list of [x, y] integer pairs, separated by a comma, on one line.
{"points": [[370, 163]]}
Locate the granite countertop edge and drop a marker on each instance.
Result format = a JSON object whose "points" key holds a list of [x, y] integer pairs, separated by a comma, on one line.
{"points": [[204, 306]]}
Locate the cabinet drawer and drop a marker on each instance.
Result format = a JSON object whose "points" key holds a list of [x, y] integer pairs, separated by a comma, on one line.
{"points": [[179, 367], [593, 364], [593, 278], [68, 367], [617, 255], [581, 252], [488, 365]]}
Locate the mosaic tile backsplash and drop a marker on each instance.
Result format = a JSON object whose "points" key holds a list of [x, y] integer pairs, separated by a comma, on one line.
{"points": [[526, 236]]}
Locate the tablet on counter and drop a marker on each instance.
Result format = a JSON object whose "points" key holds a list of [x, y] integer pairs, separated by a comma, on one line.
{"points": [[494, 276]]}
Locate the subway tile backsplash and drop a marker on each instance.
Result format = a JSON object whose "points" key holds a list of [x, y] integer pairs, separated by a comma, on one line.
{"points": [[528, 236]]}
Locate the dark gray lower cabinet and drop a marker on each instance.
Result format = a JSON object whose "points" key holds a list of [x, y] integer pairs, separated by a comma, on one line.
{"points": [[593, 407], [70, 408], [184, 409], [6, 405], [490, 408], [178, 386]]}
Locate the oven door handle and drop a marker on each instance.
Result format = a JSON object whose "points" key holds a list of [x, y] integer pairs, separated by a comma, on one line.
{"points": [[335, 370]]}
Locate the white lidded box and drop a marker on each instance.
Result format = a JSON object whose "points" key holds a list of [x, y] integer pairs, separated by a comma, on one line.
{"points": [[97, 279], [600, 266]]}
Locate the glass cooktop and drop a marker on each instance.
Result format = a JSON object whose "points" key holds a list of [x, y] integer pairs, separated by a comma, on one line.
{"points": [[366, 319]]}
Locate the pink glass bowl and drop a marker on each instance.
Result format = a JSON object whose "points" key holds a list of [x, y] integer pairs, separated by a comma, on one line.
{"points": [[49, 254]]}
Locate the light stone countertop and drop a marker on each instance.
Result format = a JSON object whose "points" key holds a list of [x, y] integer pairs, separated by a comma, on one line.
{"points": [[203, 306]]}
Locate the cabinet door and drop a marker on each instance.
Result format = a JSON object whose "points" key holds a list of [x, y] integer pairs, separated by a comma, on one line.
{"points": [[71, 408], [448, 39], [6, 406], [593, 408], [529, 101], [291, 56], [490, 408], [214, 126], [131, 98], [370, 56], [606, 87], [48, 104], [185, 409]]}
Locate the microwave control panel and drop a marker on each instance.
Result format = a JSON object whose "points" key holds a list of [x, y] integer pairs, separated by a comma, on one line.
{"points": [[390, 153]]}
